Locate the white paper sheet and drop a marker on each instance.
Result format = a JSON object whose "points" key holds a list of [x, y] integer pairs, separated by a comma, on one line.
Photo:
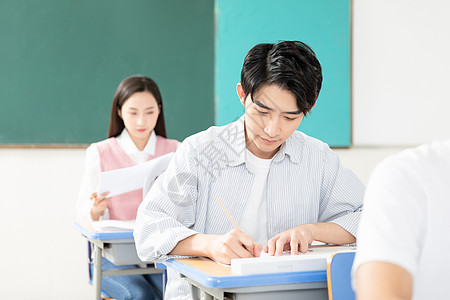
{"points": [[315, 259], [113, 225], [125, 180], [264, 254]]}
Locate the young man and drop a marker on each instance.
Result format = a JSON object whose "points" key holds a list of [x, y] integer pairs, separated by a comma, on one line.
{"points": [[283, 188], [403, 241]]}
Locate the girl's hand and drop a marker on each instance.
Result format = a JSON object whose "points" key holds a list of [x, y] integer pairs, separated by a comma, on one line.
{"points": [[99, 205]]}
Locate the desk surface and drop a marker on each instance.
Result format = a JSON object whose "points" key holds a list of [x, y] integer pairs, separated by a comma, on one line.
{"points": [[87, 230], [214, 275]]}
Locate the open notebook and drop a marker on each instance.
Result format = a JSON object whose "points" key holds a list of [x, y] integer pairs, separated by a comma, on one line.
{"points": [[315, 259]]}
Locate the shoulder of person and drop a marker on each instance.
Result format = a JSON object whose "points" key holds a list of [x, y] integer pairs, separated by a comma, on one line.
{"points": [[108, 142], [169, 145], [300, 139], [214, 134], [102, 146], [426, 157], [167, 140]]}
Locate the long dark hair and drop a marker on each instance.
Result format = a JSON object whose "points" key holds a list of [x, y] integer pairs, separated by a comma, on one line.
{"points": [[129, 86]]}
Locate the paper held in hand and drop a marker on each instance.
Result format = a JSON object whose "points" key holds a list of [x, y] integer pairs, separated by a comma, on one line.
{"points": [[125, 180]]}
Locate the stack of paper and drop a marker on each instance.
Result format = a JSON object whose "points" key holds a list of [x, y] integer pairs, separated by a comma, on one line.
{"points": [[113, 225], [315, 259]]}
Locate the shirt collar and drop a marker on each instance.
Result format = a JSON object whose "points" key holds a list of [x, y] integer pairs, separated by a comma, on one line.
{"points": [[129, 147], [291, 147], [235, 136]]}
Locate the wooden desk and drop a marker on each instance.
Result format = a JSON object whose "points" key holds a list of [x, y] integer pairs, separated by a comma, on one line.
{"points": [[126, 254], [210, 280]]}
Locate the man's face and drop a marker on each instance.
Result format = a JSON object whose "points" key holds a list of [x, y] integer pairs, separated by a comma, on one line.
{"points": [[271, 116]]}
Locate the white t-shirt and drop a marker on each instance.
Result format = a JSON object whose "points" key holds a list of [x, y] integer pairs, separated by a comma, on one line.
{"points": [[406, 217], [253, 220], [92, 170]]}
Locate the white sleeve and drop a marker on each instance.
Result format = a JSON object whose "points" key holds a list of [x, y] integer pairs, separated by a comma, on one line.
{"points": [[392, 223], [88, 186]]}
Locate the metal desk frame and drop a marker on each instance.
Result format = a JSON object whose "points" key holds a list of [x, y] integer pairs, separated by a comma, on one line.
{"points": [[100, 240], [292, 285]]}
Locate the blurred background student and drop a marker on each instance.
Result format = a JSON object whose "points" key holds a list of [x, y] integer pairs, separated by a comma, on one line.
{"points": [[137, 133]]}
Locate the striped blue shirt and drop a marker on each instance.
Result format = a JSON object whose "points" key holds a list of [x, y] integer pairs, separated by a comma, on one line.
{"points": [[306, 184]]}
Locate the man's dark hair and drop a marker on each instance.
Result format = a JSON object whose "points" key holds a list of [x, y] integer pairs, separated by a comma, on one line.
{"points": [[292, 65]]}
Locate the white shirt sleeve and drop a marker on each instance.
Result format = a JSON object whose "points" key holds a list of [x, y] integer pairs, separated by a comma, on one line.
{"points": [[392, 224], [89, 185]]}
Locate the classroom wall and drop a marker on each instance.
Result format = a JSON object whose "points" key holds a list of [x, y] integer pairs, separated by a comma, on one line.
{"points": [[42, 255], [44, 258], [400, 71]]}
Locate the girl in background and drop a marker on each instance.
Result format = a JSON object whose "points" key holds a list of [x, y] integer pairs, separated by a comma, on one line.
{"points": [[137, 133]]}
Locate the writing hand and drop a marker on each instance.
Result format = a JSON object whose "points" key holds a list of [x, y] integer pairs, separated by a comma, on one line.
{"points": [[234, 244]]}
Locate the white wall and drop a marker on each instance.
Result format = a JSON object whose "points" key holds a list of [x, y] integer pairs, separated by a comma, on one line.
{"points": [[400, 98], [43, 257], [401, 66]]}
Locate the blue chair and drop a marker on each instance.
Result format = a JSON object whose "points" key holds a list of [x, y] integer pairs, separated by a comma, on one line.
{"points": [[339, 276]]}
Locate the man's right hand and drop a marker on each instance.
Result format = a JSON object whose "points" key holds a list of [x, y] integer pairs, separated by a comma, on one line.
{"points": [[234, 244], [222, 248]]}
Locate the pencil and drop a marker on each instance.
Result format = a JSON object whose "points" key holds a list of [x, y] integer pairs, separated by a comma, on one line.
{"points": [[228, 214]]}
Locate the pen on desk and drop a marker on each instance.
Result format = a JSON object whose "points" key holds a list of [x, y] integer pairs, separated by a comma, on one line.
{"points": [[228, 214]]}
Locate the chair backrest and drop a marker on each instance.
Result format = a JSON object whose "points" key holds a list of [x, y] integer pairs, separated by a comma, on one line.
{"points": [[339, 276]]}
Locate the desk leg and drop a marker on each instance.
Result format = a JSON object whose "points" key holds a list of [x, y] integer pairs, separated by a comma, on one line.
{"points": [[205, 296], [200, 292], [97, 272], [164, 277]]}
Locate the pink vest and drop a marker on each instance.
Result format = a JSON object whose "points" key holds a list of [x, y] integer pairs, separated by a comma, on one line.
{"points": [[112, 156]]}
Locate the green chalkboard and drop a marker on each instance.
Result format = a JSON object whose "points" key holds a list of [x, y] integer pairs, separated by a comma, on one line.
{"points": [[61, 61], [322, 24]]}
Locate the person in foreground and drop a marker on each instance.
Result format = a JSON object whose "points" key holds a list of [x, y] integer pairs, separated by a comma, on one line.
{"points": [[137, 133], [403, 240], [283, 188]]}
